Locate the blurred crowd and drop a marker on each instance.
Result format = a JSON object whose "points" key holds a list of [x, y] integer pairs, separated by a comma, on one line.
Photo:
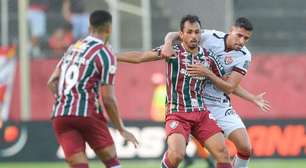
{"points": [[73, 25]]}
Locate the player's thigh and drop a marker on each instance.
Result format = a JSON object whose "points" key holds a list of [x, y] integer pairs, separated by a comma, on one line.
{"points": [[241, 139], [216, 146], [176, 144], [205, 127], [97, 135], [106, 153], [68, 137], [228, 121]]}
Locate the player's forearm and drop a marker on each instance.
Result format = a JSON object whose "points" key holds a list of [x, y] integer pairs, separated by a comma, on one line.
{"points": [[171, 37], [53, 81], [110, 105], [137, 57], [244, 94], [53, 86], [225, 86]]}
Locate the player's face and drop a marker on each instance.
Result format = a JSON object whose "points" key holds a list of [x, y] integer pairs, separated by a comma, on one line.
{"points": [[191, 34], [238, 37]]}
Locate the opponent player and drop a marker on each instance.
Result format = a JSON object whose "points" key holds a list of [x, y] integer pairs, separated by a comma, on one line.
{"points": [[77, 114], [186, 112], [232, 59]]}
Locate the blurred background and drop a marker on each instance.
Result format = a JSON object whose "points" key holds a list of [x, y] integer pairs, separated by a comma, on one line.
{"points": [[35, 33]]}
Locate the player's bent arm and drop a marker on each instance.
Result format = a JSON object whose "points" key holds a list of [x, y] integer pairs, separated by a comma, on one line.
{"points": [[137, 57], [53, 81], [244, 94], [258, 100], [171, 37], [167, 50], [229, 85], [110, 104]]}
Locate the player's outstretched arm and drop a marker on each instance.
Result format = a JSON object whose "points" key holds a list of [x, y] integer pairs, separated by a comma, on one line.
{"points": [[53, 81], [137, 57], [110, 104], [167, 50], [228, 86], [258, 100]]}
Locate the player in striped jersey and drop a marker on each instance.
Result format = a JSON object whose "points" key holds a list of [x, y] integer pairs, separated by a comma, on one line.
{"points": [[186, 112], [77, 114], [233, 59]]}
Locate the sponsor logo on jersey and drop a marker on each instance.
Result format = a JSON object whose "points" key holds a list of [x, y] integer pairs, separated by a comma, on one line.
{"points": [[173, 124], [246, 64], [186, 73], [228, 59], [229, 112], [112, 69]]}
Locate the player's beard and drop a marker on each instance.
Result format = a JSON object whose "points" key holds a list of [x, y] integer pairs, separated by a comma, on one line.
{"points": [[192, 46]]}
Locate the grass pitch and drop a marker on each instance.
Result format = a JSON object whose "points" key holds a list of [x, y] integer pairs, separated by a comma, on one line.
{"points": [[255, 163]]}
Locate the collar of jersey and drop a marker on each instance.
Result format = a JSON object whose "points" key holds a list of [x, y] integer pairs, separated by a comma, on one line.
{"points": [[95, 39]]}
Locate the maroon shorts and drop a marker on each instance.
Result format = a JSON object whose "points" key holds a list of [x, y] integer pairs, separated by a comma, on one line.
{"points": [[72, 132], [200, 125]]}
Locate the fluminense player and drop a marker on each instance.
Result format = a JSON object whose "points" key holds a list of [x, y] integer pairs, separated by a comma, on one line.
{"points": [[232, 60], [86, 67], [186, 113]]}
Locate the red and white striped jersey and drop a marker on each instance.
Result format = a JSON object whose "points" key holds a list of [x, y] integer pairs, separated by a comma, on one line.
{"points": [[85, 66]]}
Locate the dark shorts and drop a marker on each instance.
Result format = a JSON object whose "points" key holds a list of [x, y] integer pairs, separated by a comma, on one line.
{"points": [[72, 132], [200, 125]]}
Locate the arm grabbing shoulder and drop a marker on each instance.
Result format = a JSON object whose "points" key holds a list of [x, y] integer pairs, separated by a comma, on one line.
{"points": [[137, 57]]}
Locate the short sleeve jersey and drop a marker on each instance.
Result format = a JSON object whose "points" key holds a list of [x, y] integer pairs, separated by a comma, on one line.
{"points": [[224, 63], [85, 66], [185, 93]]}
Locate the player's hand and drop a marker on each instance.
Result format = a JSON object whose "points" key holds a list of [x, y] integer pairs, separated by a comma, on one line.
{"points": [[167, 51], [129, 137], [197, 70], [263, 104]]}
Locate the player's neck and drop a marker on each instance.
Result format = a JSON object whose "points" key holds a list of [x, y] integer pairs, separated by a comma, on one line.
{"points": [[101, 36], [193, 51]]}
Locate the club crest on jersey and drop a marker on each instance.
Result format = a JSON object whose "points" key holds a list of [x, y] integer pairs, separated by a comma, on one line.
{"points": [[112, 69], [228, 59], [185, 54], [173, 124]]}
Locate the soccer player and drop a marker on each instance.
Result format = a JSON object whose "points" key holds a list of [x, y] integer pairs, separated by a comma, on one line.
{"points": [[186, 112], [231, 59], [77, 114]]}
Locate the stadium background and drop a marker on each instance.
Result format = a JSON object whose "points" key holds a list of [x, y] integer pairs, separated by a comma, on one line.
{"points": [[278, 68]]}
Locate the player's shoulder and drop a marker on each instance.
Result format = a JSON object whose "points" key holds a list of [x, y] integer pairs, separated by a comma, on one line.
{"points": [[245, 52], [213, 34]]}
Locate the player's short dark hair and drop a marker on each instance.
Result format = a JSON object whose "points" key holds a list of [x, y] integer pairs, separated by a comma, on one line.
{"points": [[244, 23], [189, 18], [100, 18]]}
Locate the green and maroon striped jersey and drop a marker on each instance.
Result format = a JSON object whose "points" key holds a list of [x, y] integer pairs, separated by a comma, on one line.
{"points": [[185, 93], [85, 66]]}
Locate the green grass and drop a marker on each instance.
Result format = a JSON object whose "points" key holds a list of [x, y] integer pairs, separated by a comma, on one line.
{"points": [[255, 163]]}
